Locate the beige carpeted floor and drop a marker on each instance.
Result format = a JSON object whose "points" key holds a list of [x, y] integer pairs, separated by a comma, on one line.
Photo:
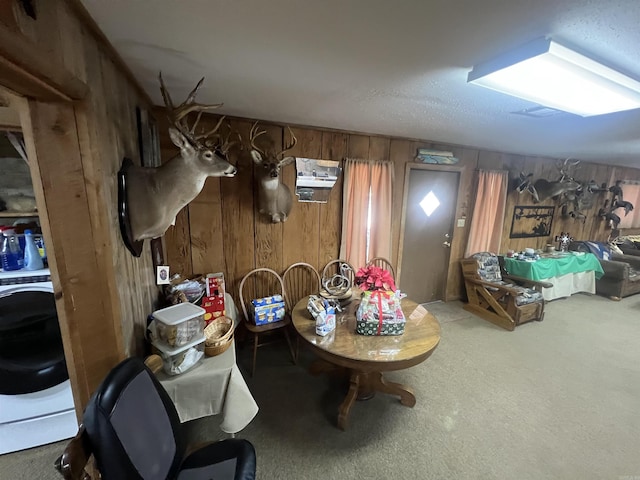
{"points": [[553, 400]]}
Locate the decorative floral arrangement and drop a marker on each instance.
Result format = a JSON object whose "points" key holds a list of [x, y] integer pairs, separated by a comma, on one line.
{"points": [[374, 278]]}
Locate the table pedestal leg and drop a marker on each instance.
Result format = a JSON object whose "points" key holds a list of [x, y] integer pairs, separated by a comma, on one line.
{"points": [[364, 385], [347, 403]]}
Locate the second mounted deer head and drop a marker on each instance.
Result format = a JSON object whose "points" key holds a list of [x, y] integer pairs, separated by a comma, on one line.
{"points": [[156, 195], [274, 197], [542, 189]]}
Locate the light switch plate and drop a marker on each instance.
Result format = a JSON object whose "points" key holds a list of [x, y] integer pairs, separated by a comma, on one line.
{"points": [[461, 222]]}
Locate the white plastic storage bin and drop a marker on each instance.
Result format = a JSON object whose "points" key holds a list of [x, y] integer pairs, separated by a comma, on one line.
{"points": [[180, 359], [179, 324]]}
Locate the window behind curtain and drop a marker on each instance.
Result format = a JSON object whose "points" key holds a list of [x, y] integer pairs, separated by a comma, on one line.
{"points": [[366, 219], [488, 213]]}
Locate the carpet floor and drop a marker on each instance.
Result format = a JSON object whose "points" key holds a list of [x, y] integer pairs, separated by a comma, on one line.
{"points": [[558, 399]]}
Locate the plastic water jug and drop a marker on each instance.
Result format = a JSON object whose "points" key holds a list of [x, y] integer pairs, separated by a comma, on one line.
{"points": [[11, 254], [32, 259]]}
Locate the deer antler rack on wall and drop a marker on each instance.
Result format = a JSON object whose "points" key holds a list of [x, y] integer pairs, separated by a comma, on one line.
{"points": [[150, 198]]}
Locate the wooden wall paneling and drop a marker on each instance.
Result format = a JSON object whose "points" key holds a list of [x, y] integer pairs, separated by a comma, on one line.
{"points": [[29, 65], [72, 42], [136, 277], [379, 148], [95, 126], [467, 160], [205, 227], [178, 241], [334, 147], [301, 235], [268, 236], [205, 221], [401, 152], [92, 343], [358, 147], [490, 160], [238, 228]]}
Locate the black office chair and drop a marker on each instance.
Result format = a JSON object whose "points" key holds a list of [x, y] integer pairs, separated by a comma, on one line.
{"points": [[133, 431]]}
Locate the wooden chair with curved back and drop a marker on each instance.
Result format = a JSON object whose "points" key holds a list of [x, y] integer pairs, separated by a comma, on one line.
{"points": [[300, 279], [382, 263], [260, 283]]}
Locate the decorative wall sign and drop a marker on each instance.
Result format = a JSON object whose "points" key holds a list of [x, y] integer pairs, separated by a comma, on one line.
{"points": [[438, 157], [531, 221], [315, 179]]}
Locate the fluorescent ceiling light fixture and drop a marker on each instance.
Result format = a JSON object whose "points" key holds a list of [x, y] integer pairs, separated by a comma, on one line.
{"points": [[552, 75]]}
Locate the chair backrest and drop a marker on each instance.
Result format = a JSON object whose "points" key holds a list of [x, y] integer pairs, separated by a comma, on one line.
{"points": [[488, 266], [259, 283], [300, 279], [383, 263], [340, 268], [133, 426]]}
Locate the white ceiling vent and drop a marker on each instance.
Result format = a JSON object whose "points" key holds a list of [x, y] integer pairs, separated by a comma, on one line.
{"points": [[539, 112]]}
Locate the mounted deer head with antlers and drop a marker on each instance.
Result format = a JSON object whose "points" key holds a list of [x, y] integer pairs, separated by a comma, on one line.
{"points": [[156, 195], [274, 197], [543, 189]]}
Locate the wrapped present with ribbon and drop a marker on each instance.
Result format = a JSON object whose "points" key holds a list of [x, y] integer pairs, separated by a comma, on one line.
{"points": [[380, 313]]}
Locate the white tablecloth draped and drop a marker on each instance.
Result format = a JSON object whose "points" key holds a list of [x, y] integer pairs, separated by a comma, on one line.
{"points": [[567, 285], [212, 387]]}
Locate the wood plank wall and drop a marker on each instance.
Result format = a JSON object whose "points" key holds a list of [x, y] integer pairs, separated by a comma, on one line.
{"points": [[104, 293], [222, 231]]}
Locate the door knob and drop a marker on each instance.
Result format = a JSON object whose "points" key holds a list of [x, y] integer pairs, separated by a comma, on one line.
{"points": [[447, 244]]}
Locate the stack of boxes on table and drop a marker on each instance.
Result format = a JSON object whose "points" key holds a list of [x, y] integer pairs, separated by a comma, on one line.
{"points": [[177, 332]]}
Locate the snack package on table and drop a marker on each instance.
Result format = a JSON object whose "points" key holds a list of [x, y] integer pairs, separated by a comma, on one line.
{"points": [[380, 313]]}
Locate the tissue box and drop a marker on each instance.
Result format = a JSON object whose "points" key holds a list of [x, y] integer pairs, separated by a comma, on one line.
{"points": [[268, 309], [380, 313]]}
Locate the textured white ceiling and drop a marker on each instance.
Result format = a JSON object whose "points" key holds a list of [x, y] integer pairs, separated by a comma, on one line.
{"points": [[392, 67]]}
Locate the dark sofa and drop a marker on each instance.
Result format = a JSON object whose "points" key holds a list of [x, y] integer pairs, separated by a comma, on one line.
{"points": [[621, 272]]}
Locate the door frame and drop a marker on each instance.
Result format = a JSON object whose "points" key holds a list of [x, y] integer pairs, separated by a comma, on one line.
{"points": [[407, 173]]}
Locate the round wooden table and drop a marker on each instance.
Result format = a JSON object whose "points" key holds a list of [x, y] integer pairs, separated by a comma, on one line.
{"points": [[366, 357]]}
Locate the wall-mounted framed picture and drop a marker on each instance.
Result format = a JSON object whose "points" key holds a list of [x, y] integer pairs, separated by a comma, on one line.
{"points": [[531, 221], [315, 179]]}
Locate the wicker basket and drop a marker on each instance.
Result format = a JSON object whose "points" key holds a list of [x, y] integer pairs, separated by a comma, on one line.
{"points": [[218, 336]]}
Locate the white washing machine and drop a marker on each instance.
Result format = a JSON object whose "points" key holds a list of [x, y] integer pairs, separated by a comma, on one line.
{"points": [[36, 404]]}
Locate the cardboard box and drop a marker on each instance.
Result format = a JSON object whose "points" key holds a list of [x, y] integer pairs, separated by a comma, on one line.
{"points": [[213, 301], [268, 309]]}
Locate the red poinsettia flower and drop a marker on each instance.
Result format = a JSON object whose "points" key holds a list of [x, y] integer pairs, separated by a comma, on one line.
{"points": [[374, 278]]}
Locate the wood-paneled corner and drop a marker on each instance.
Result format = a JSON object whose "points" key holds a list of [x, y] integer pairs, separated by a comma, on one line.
{"points": [[78, 124]]}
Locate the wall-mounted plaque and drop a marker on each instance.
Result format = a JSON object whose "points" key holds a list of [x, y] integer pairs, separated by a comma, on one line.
{"points": [[531, 221]]}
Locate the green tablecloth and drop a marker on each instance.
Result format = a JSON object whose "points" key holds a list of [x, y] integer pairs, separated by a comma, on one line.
{"points": [[554, 266]]}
